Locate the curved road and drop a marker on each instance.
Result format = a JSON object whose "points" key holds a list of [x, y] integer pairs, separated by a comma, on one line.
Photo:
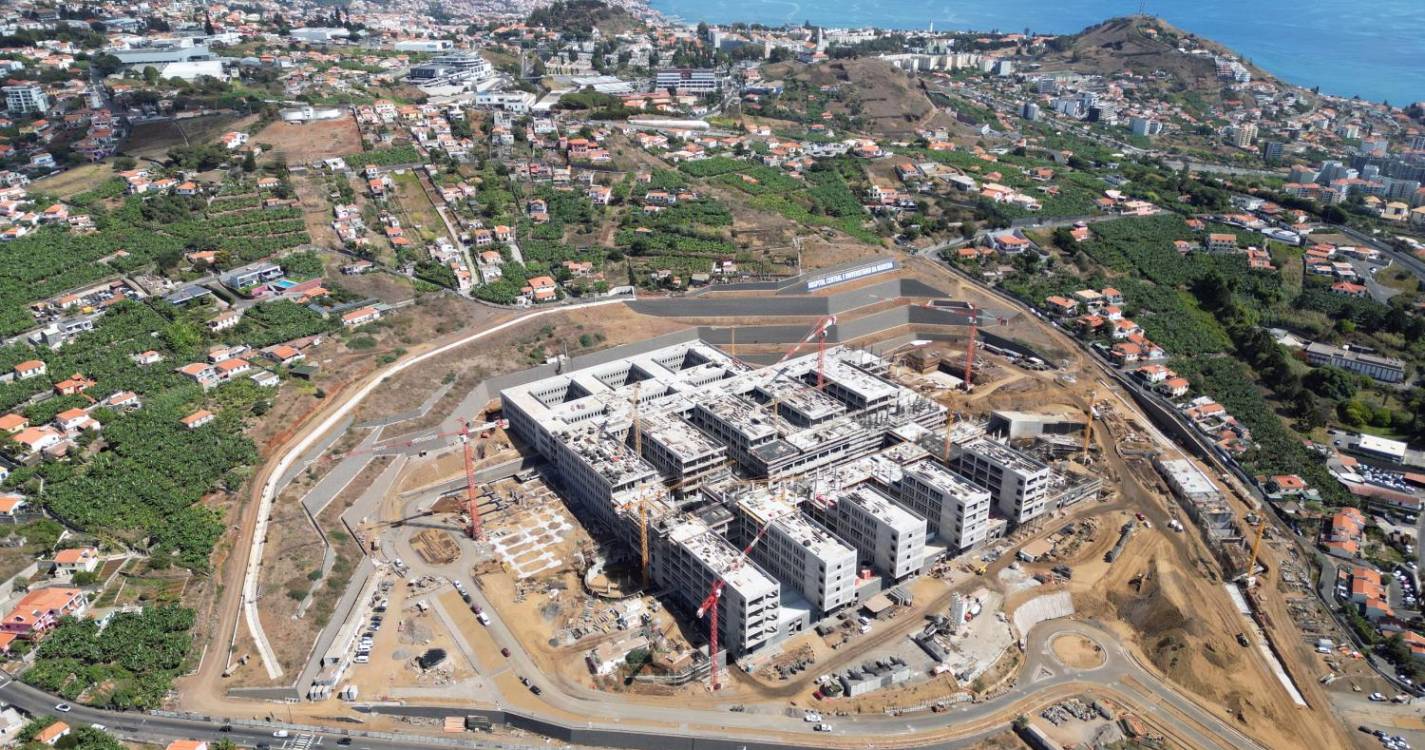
{"points": [[1042, 679]]}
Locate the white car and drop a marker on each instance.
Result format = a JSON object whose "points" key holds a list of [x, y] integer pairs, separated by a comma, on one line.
{"points": [[64, 708], [823, 727], [1377, 697], [811, 717], [281, 733]]}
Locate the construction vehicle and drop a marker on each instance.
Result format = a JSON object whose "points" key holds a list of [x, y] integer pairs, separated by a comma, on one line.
{"points": [[709, 606]]}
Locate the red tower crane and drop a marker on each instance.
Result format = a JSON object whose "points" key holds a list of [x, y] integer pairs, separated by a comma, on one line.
{"points": [[471, 499], [471, 493], [709, 605]]}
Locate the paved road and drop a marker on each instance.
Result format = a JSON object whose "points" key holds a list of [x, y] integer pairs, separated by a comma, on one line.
{"points": [[1042, 680]]}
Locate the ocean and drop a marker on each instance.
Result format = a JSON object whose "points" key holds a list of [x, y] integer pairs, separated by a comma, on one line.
{"points": [[1373, 50]]}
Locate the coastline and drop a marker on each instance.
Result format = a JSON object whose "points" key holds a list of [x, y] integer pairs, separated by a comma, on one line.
{"points": [[1387, 78]]}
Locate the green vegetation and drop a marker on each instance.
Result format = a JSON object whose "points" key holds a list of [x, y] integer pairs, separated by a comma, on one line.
{"points": [[384, 157], [131, 664]]}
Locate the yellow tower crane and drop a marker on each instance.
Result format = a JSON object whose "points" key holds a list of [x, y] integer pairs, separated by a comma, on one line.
{"points": [[1256, 548]]}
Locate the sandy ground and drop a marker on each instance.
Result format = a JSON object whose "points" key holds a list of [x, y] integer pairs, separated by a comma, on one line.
{"points": [[1078, 652], [303, 144], [73, 180]]}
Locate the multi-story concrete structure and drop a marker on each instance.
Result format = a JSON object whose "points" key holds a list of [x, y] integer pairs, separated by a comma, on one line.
{"points": [[687, 80], [1018, 482], [26, 99], [1384, 369], [797, 550], [692, 557], [700, 415], [956, 510], [889, 536]]}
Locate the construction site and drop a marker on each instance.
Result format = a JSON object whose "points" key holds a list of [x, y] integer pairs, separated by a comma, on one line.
{"points": [[864, 513]]}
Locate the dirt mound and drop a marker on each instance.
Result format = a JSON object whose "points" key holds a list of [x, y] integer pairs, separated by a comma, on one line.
{"points": [[885, 100]]}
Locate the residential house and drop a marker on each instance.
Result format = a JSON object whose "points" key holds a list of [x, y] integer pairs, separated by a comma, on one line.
{"points": [[36, 439], [67, 562], [41, 609], [52, 734], [197, 419], [1344, 533], [75, 420], [13, 423], [283, 354], [231, 368], [361, 316], [202, 373], [30, 368], [1350, 289]]}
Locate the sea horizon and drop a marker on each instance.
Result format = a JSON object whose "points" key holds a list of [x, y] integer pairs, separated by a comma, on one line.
{"points": [[1375, 51]]}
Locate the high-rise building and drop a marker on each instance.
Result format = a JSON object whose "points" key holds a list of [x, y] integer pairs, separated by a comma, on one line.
{"points": [[1273, 150], [1145, 127], [956, 510], [687, 80], [1030, 111], [1242, 135], [26, 99], [798, 551]]}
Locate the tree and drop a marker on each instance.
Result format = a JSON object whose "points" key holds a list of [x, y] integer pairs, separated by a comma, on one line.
{"points": [[106, 64], [249, 163], [150, 75]]}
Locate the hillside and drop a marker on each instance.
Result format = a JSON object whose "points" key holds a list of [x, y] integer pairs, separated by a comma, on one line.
{"points": [[580, 17], [1142, 45], [871, 94]]}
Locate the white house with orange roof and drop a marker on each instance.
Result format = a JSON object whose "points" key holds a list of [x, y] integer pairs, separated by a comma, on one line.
{"points": [[53, 733], [36, 439], [13, 423], [197, 419], [75, 420], [12, 503], [67, 562], [232, 368], [201, 373], [30, 368], [361, 316]]}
